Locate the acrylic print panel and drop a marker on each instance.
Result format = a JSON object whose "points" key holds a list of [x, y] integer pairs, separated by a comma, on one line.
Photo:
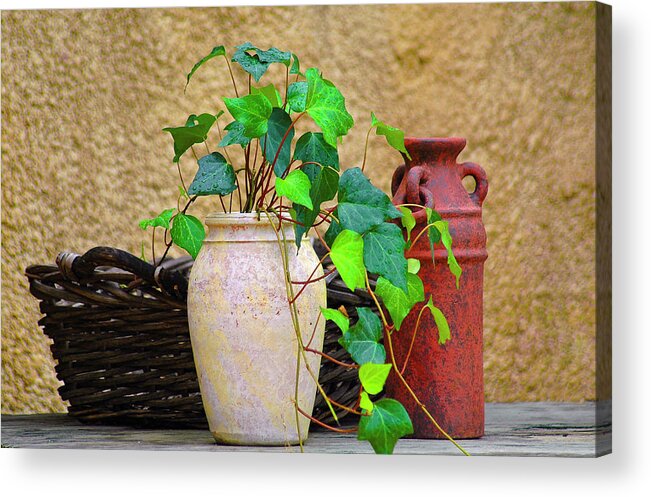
{"points": [[502, 186]]}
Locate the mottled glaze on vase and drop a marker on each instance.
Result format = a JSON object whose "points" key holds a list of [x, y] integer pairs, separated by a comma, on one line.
{"points": [[243, 339]]}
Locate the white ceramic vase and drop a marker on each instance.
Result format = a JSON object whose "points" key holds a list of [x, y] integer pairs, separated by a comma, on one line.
{"points": [[243, 339]]}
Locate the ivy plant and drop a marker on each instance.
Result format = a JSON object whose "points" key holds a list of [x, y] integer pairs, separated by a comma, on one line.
{"points": [[292, 175]]}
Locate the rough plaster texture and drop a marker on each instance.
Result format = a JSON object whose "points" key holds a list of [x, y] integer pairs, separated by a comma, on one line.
{"points": [[86, 93]]}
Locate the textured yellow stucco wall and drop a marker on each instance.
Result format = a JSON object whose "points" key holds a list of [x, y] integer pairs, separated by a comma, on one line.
{"points": [[86, 93]]}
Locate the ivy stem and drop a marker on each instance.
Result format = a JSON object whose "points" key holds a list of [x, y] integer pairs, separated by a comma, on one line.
{"points": [[309, 162], [324, 219], [316, 323], [415, 397], [239, 192], [256, 180], [324, 425], [294, 313], [286, 83], [387, 335], [168, 244], [431, 225], [366, 147], [309, 279], [219, 130], [255, 154], [248, 176], [325, 275], [332, 359], [377, 303], [263, 169], [237, 181], [230, 70], [346, 408], [328, 213], [178, 168], [421, 207], [266, 189], [290, 220], [153, 241], [413, 340], [322, 240]]}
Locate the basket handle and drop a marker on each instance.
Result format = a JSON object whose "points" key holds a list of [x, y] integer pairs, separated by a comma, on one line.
{"points": [[82, 266]]}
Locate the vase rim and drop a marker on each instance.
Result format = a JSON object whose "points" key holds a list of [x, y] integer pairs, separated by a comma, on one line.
{"points": [[437, 139], [245, 227], [446, 149], [239, 218]]}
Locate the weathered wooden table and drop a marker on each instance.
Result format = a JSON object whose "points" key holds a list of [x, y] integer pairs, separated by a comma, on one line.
{"points": [[512, 429]]}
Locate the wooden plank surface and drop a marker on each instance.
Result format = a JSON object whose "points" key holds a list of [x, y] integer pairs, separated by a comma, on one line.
{"points": [[512, 429]]}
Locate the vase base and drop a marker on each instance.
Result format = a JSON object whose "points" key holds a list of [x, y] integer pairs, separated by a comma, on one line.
{"points": [[430, 435], [249, 439]]}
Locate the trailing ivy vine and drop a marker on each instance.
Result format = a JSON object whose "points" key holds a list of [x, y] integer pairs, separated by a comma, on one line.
{"points": [[289, 178]]}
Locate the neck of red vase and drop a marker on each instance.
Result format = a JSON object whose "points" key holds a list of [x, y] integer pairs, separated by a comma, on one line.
{"points": [[443, 151]]}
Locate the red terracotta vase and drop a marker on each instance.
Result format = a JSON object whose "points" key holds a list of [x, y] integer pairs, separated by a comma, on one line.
{"points": [[448, 379]]}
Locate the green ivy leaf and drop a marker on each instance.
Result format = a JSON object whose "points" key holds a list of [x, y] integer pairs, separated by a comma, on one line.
{"points": [[297, 96], [215, 52], [274, 55], [214, 177], [324, 182], [312, 147], [397, 302], [441, 322], [270, 92], [387, 423], [361, 340], [188, 233], [195, 131], [359, 217], [395, 137], [347, 254], [374, 376], [253, 111], [365, 402], [279, 123], [446, 238], [257, 63], [361, 205], [408, 220], [413, 266], [160, 221], [326, 105], [296, 187], [384, 254], [339, 319], [296, 65], [433, 235], [235, 135], [334, 229]]}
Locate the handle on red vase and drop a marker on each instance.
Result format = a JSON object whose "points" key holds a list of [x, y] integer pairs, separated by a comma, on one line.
{"points": [[481, 181]]}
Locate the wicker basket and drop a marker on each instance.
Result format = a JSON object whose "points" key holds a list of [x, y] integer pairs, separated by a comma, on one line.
{"points": [[121, 342]]}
